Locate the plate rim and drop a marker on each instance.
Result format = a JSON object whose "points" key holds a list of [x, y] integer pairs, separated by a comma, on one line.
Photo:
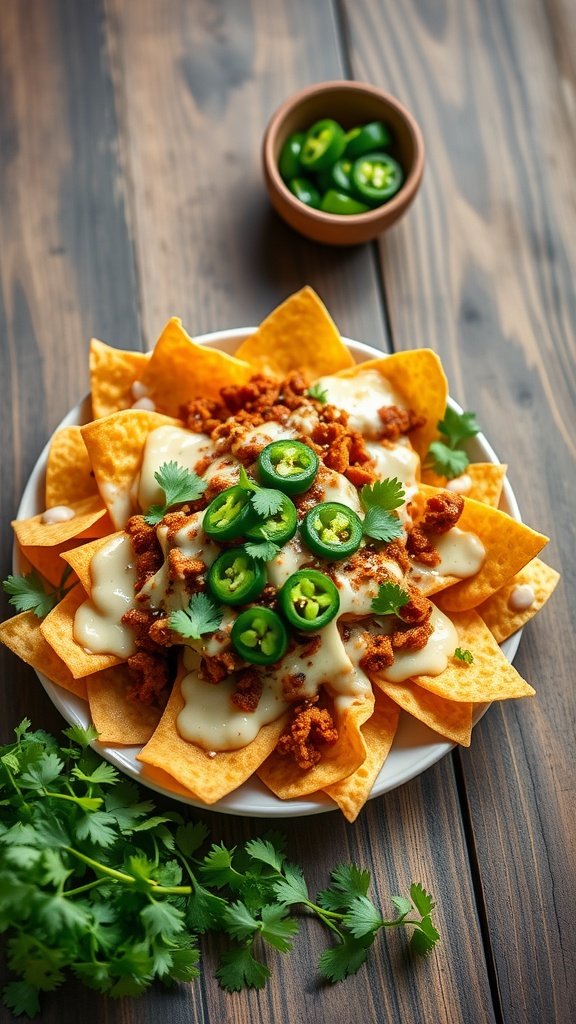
{"points": [[262, 802]]}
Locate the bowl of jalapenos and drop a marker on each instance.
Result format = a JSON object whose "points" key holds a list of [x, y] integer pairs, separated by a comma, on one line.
{"points": [[342, 161]]}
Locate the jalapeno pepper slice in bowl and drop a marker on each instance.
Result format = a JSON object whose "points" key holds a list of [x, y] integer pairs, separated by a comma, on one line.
{"points": [[368, 138], [376, 177], [305, 191], [309, 600], [229, 515], [236, 578], [288, 466], [332, 530], [289, 159], [259, 636], [341, 202], [323, 145], [278, 528]]}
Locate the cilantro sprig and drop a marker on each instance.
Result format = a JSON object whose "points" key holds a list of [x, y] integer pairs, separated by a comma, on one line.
{"points": [[446, 457], [379, 500], [266, 501], [263, 550], [179, 485], [318, 392], [32, 593], [200, 617], [390, 599], [461, 654], [96, 883]]}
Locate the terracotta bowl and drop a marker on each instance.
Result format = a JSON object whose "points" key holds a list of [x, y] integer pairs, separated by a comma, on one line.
{"points": [[349, 103]]}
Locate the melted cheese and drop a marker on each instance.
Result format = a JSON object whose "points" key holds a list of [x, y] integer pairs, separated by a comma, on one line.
{"points": [[97, 625], [461, 554], [168, 444], [430, 660], [361, 396]]}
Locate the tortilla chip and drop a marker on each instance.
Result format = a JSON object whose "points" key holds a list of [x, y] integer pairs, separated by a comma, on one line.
{"points": [[378, 734], [502, 620], [208, 778], [100, 528], [487, 481], [80, 558], [509, 546], [298, 335], [115, 447], [69, 475], [34, 533], [112, 373], [286, 780], [58, 629], [447, 717], [181, 370], [118, 719], [489, 677], [23, 635], [418, 377], [47, 561]]}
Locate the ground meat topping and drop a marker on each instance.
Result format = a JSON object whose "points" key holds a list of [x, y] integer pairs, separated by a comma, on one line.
{"points": [[396, 421], [417, 610], [310, 728], [142, 536], [150, 677], [379, 654], [140, 621], [248, 690], [442, 512], [413, 638], [217, 667], [420, 547], [396, 551], [184, 568]]}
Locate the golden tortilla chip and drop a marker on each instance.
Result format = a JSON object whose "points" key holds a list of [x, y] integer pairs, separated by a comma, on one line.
{"points": [[378, 734], [447, 717], [298, 335], [101, 528], [112, 373], [208, 778], [181, 370], [115, 447], [118, 719], [47, 561], [287, 780], [502, 620], [489, 677], [34, 533], [417, 375], [23, 635], [509, 546], [58, 629], [487, 481], [69, 474], [80, 558]]}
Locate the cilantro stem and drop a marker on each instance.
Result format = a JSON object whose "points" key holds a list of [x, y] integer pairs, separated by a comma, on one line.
{"points": [[84, 888], [120, 876], [74, 799]]}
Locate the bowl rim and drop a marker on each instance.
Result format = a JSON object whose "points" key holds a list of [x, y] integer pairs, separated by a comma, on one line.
{"points": [[407, 189]]}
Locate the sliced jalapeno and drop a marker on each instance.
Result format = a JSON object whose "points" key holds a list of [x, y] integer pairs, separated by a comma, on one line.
{"points": [[339, 202], [259, 636], [289, 159], [309, 599], [377, 177], [367, 139], [289, 466], [236, 578], [229, 515], [278, 528], [323, 144], [332, 530], [305, 191]]}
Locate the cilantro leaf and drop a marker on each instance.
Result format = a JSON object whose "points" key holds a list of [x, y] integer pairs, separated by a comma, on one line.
{"points": [[239, 922], [390, 599], [20, 997], [200, 617], [276, 928], [402, 903], [191, 836], [264, 851], [381, 525], [217, 869], [458, 426], [317, 392], [27, 594], [421, 899], [424, 937], [292, 887], [179, 485], [238, 969], [80, 735], [338, 962], [162, 919], [267, 502], [385, 494], [263, 551], [463, 655], [446, 461], [362, 917], [348, 881], [245, 482]]}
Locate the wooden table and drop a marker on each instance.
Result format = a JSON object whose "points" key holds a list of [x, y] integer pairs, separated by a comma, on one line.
{"points": [[130, 190]]}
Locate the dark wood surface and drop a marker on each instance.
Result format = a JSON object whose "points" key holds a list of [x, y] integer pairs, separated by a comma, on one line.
{"points": [[130, 191]]}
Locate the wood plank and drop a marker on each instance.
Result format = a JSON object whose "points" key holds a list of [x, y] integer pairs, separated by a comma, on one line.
{"points": [[481, 269]]}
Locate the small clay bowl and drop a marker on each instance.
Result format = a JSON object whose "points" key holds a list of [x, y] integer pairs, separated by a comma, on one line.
{"points": [[351, 104]]}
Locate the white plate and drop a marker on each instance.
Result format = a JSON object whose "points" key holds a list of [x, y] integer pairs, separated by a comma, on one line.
{"points": [[415, 748]]}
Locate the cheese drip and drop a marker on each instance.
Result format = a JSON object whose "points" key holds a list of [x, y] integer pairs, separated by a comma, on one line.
{"points": [[461, 553], [97, 623], [361, 397]]}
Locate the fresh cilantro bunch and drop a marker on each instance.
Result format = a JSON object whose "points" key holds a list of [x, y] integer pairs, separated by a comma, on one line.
{"points": [[30, 593], [379, 501], [446, 456], [179, 485], [94, 882]]}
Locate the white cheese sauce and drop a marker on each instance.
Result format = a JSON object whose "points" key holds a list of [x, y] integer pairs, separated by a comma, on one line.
{"points": [[97, 625], [361, 397], [57, 514], [168, 444], [461, 553], [335, 487], [521, 598], [430, 660], [460, 484]]}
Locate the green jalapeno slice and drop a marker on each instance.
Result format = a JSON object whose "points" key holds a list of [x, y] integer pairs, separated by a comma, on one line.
{"points": [[288, 466], [367, 139], [236, 578], [259, 636], [376, 177], [332, 530], [305, 191], [289, 159], [309, 600], [340, 202], [323, 145], [229, 515], [278, 528]]}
